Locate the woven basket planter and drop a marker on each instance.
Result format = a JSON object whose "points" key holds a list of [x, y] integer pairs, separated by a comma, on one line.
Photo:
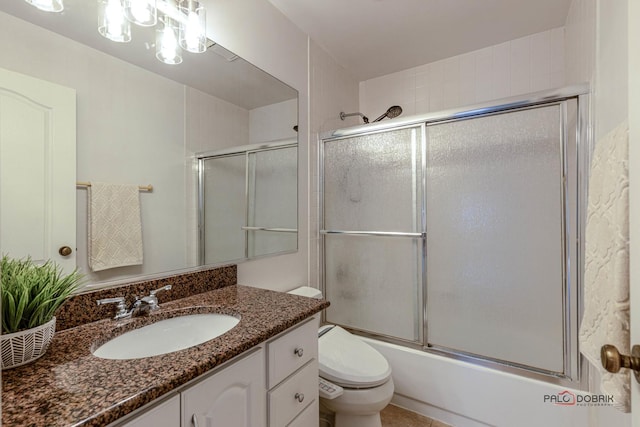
{"points": [[22, 347]]}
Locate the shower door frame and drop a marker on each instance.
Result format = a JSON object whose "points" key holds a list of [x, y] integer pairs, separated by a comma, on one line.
{"points": [[245, 151], [575, 366]]}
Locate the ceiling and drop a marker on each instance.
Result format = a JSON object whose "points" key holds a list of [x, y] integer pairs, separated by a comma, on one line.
{"points": [[371, 38]]}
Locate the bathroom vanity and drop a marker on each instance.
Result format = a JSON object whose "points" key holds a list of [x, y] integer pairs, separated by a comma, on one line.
{"points": [[263, 372], [273, 384]]}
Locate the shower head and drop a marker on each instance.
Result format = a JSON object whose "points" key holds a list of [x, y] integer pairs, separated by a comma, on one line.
{"points": [[392, 113], [344, 115]]}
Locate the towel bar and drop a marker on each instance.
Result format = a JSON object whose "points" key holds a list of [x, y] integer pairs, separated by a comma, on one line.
{"points": [[140, 187]]}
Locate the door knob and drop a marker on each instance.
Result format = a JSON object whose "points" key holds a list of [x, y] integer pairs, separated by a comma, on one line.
{"points": [[612, 360], [65, 251]]}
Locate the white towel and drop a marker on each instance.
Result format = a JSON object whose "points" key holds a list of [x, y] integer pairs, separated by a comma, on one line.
{"points": [[606, 293], [115, 228]]}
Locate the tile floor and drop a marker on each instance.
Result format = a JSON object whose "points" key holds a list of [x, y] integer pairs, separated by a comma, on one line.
{"points": [[393, 416]]}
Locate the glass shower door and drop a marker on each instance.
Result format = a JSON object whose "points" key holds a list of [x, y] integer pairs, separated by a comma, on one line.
{"points": [[224, 208], [496, 227], [373, 232], [272, 205]]}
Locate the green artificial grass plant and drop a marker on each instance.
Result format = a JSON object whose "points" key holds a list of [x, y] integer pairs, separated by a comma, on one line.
{"points": [[32, 293]]}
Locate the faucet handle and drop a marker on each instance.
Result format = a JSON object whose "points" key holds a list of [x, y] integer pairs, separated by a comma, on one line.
{"points": [[118, 300], [121, 308], [155, 291], [152, 300]]}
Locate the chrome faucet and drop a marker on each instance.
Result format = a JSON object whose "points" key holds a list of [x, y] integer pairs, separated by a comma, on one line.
{"points": [[142, 305]]}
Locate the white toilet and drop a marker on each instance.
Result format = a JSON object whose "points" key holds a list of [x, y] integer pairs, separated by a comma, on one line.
{"points": [[363, 374]]}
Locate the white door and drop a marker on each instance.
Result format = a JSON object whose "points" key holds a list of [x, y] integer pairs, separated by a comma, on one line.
{"points": [[37, 169], [634, 188]]}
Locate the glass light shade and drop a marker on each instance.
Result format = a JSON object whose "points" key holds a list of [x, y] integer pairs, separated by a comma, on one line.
{"points": [[47, 5], [193, 36], [141, 12], [167, 47], [112, 23]]}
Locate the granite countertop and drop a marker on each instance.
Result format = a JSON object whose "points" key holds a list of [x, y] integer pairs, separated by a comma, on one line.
{"points": [[69, 386]]}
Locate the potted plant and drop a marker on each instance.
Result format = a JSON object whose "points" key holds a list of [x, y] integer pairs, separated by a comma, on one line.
{"points": [[30, 294]]}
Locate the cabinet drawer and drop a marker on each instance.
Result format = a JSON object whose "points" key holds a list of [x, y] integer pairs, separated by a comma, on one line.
{"points": [[292, 396], [309, 417], [291, 351]]}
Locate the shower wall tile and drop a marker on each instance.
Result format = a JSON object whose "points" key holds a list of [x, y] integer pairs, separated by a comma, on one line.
{"points": [[580, 52], [483, 73], [516, 67], [500, 72], [332, 90]]}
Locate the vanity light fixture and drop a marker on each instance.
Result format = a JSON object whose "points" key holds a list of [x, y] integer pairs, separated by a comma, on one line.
{"points": [[47, 5], [192, 30], [112, 23], [167, 48], [181, 24], [141, 12]]}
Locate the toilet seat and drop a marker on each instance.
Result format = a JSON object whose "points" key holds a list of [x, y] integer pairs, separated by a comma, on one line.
{"points": [[349, 362]]}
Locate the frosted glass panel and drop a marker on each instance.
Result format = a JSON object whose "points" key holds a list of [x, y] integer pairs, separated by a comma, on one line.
{"points": [[375, 284], [494, 237], [224, 208], [371, 182], [273, 187]]}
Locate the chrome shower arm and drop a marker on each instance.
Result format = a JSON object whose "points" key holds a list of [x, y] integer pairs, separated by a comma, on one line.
{"points": [[344, 115]]}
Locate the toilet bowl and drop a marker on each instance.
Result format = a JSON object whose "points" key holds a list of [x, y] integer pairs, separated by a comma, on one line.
{"points": [[360, 370]]}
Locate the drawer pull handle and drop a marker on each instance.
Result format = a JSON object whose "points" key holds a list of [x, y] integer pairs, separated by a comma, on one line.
{"points": [[298, 351], [194, 420], [299, 397]]}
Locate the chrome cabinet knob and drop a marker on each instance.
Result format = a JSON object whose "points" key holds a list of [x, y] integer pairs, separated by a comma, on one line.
{"points": [[612, 360], [299, 351], [299, 397]]}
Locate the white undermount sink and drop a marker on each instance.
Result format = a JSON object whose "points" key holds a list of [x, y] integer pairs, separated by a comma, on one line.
{"points": [[166, 336]]}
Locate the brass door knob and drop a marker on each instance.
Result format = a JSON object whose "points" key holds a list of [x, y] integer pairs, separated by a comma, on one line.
{"points": [[612, 360], [65, 251]]}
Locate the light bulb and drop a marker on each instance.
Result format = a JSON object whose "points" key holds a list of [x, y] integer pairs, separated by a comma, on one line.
{"points": [[112, 23], [192, 26], [192, 32], [167, 49]]}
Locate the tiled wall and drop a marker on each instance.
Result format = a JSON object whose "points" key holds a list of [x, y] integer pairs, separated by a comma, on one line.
{"points": [[580, 42], [332, 90], [519, 66]]}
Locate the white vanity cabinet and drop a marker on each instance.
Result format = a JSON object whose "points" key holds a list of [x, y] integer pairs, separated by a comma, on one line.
{"points": [[274, 384], [165, 414], [233, 396]]}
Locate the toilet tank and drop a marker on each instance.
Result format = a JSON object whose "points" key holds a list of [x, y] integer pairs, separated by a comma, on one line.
{"points": [[306, 291]]}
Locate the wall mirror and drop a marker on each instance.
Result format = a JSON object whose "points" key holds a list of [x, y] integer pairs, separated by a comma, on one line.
{"points": [[140, 121]]}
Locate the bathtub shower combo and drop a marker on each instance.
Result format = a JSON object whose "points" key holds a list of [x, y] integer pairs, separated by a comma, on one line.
{"points": [[461, 232]]}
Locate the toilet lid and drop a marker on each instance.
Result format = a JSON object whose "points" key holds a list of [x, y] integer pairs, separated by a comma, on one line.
{"points": [[348, 361]]}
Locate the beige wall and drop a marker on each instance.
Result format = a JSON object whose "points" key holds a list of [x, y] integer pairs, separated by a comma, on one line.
{"points": [[596, 52], [259, 33]]}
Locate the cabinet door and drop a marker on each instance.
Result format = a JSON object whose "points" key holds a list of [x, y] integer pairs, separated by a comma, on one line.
{"points": [[166, 414], [233, 397]]}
